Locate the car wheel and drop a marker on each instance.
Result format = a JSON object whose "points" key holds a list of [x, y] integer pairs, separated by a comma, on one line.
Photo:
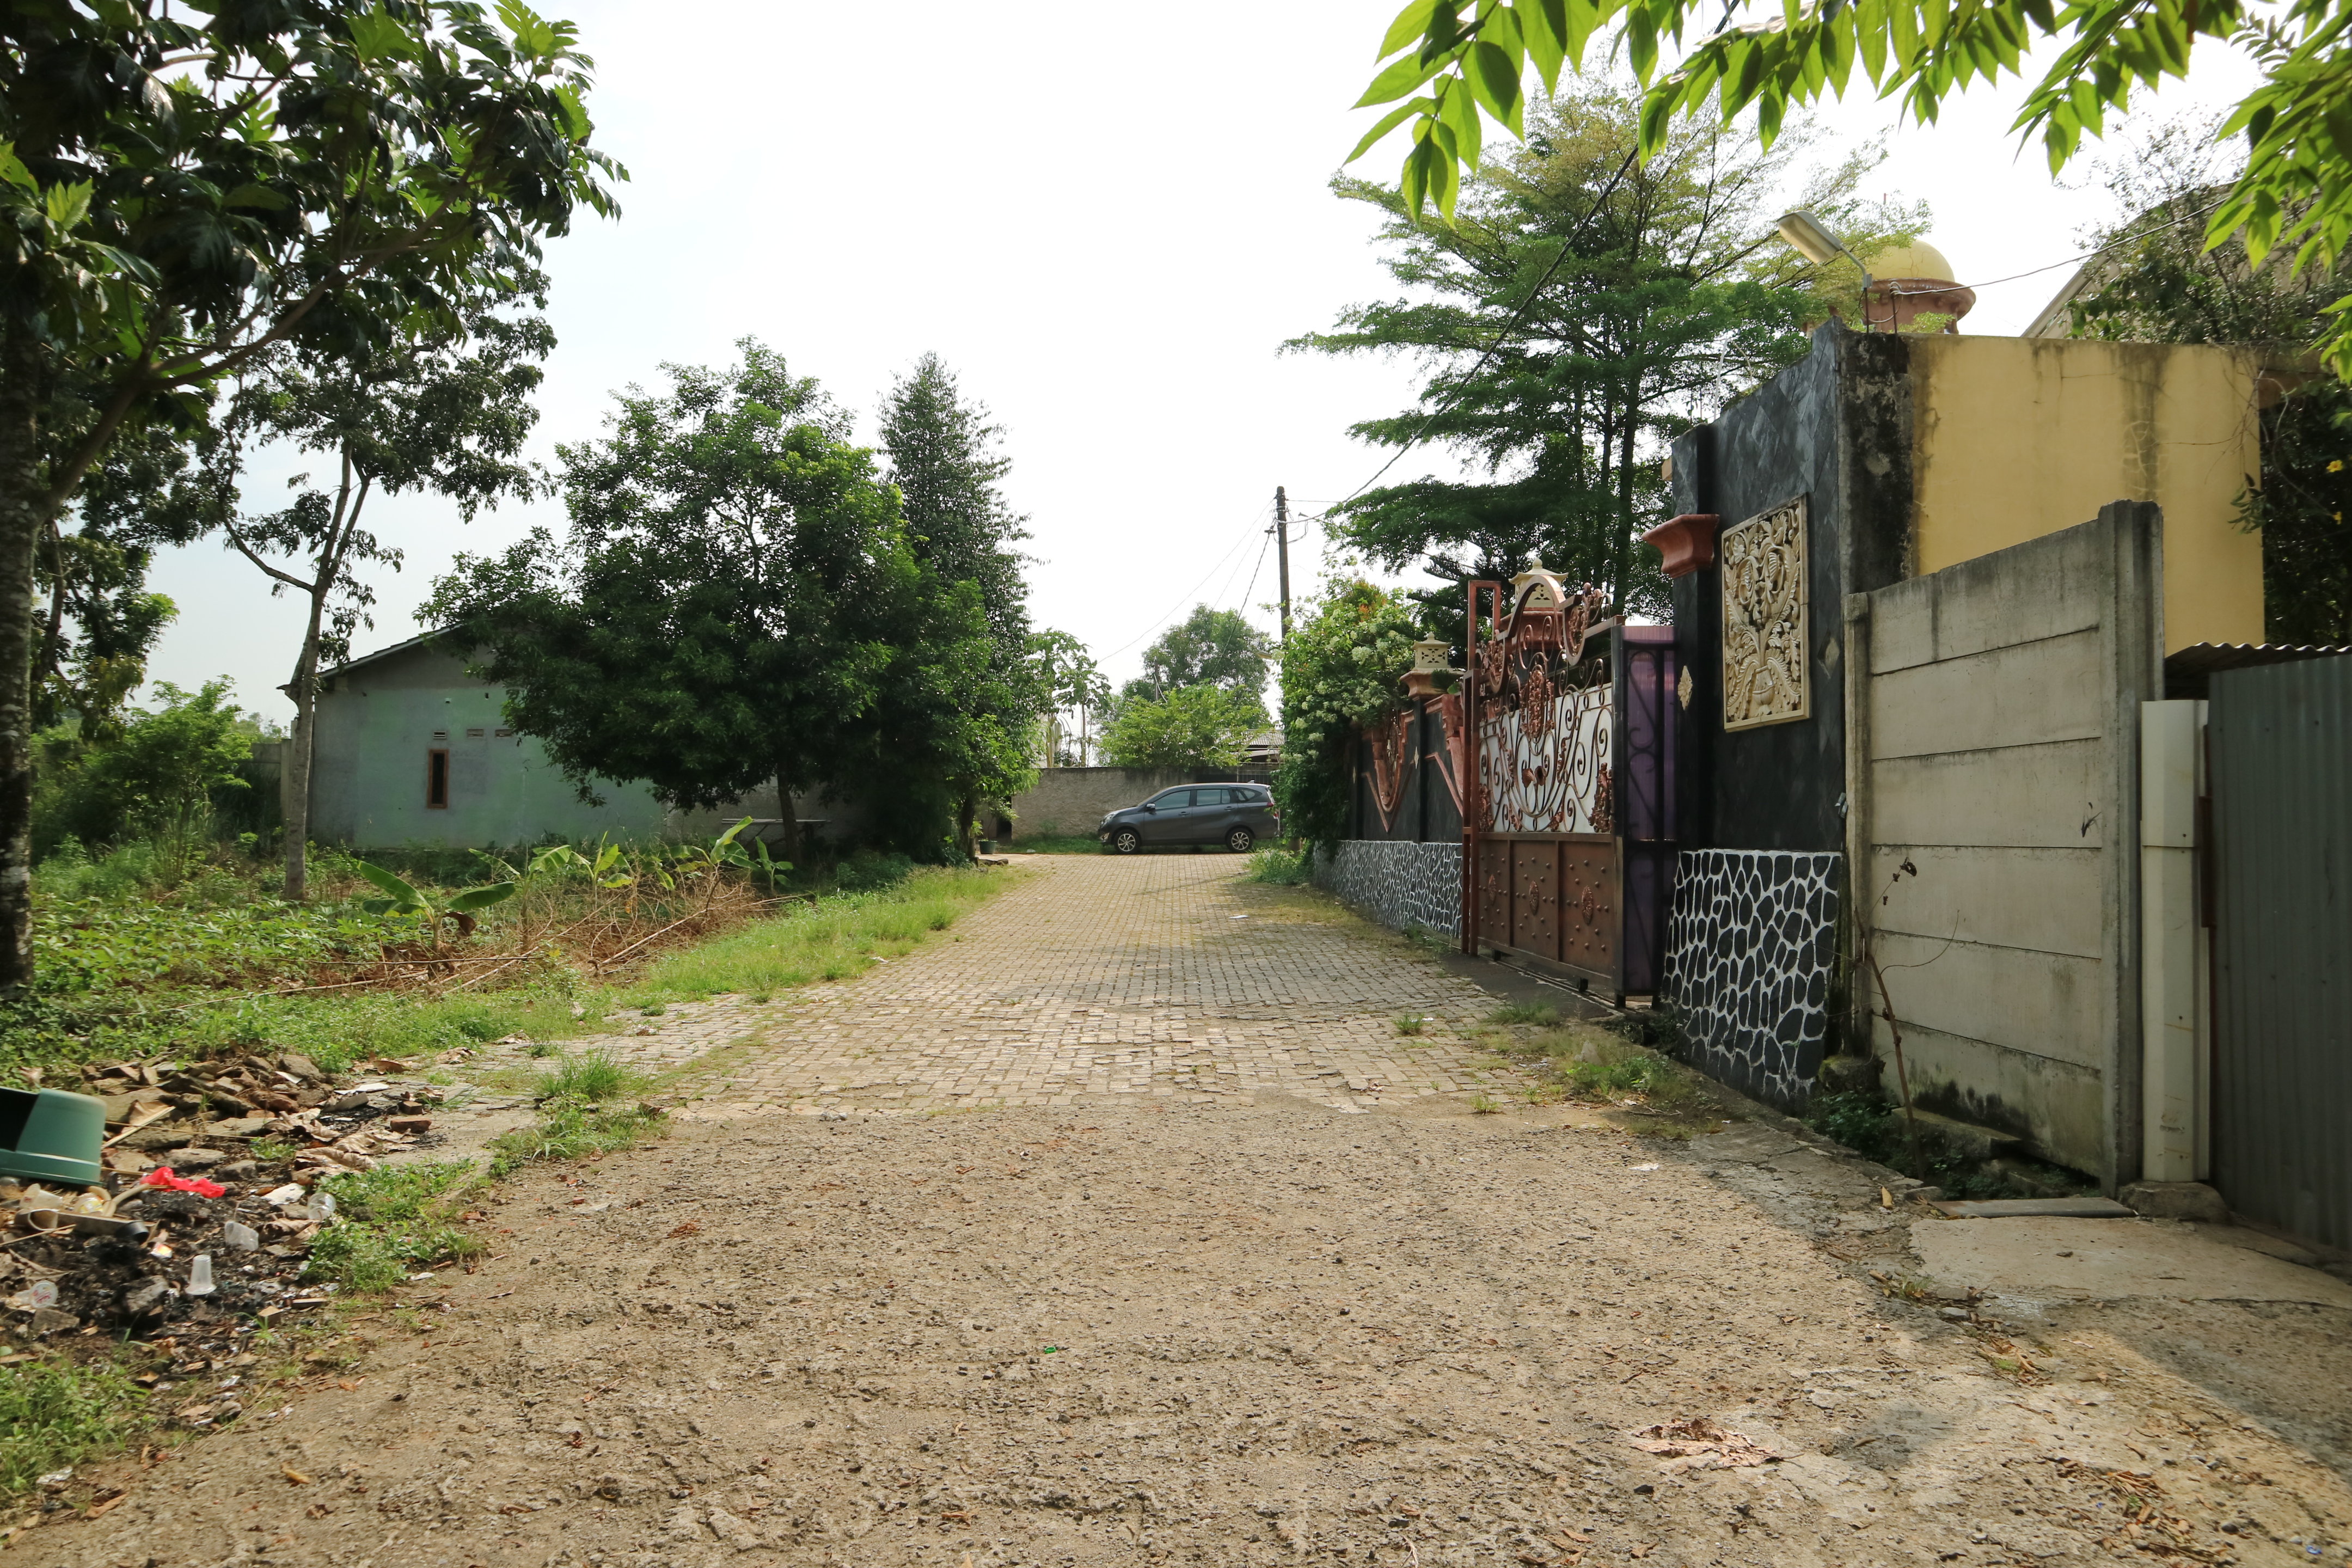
{"points": [[1124, 841], [1240, 839]]}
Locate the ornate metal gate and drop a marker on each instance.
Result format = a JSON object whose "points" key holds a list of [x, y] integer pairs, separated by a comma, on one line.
{"points": [[1568, 850]]}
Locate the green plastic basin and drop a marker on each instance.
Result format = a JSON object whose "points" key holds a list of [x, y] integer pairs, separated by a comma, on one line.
{"points": [[51, 1136]]}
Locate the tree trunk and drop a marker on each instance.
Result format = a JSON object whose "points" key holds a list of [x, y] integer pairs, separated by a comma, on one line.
{"points": [[791, 815], [967, 821], [24, 508], [299, 749]]}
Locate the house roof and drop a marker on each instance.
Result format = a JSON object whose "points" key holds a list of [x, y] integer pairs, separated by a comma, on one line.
{"points": [[412, 644]]}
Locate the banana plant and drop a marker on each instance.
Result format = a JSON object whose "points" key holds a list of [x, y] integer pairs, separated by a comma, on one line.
{"points": [[406, 901]]}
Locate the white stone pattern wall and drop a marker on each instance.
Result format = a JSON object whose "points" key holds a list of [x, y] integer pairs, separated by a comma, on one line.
{"points": [[1750, 953], [1399, 884]]}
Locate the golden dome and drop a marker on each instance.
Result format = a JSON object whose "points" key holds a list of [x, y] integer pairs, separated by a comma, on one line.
{"points": [[1918, 259]]}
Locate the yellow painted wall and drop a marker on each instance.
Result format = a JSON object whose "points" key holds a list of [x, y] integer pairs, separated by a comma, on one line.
{"points": [[2019, 437]]}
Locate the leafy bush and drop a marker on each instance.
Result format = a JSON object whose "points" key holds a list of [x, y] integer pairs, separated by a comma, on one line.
{"points": [[157, 778], [1340, 672], [867, 870], [1190, 727], [1281, 868]]}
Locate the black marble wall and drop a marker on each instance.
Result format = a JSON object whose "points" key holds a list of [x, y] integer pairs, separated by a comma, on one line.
{"points": [[1836, 429]]}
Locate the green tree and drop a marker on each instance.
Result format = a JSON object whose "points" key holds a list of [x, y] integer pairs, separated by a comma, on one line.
{"points": [[1577, 314], [1342, 671], [180, 192], [723, 612], [147, 490], [977, 741], [1073, 684], [444, 407], [161, 775], [2293, 193], [2157, 280], [1190, 727], [1208, 647]]}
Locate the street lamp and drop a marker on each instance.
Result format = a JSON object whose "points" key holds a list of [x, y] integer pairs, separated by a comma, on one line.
{"points": [[1816, 245]]}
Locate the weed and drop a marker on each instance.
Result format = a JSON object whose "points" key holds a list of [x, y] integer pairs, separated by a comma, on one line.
{"points": [[542, 1050], [590, 1080], [569, 1129], [392, 1220], [656, 1009], [1410, 1026], [53, 1415], [1278, 867], [1484, 1104], [1542, 1015], [270, 1150]]}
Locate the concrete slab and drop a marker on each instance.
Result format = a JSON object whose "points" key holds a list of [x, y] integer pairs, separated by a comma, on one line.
{"points": [[2051, 1259]]}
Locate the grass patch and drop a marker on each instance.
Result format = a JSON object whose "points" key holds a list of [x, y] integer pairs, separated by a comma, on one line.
{"points": [[392, 1221], [570, 1130], [54, 1414], [1483, 1104], [1279, 867], [833, 938], [590, 1079], [1542, 1015], [1410, 1026]]}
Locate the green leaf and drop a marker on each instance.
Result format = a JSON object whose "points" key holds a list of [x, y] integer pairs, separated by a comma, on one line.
{"points": [[1400, 78], [1414, 179], [13, 170], [67, 205], [474, 898], [1461, 115], [1543, 26], [728, 836], [1410, 25], [1641, 42], [1390, 121], [260, 196], [377, 36], [400, 891]]}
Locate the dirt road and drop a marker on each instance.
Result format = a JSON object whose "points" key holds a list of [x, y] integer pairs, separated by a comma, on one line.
{"points": [[1241, 1327]]}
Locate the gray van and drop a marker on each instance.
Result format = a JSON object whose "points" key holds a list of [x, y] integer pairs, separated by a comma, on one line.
{"points": [[1233, 814]]}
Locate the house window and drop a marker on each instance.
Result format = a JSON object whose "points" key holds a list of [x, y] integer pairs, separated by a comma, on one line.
{"points": [[436, 780], [473, 734]]}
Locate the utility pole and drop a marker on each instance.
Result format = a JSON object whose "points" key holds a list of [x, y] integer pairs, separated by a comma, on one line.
{"points": [[1281, 532]]}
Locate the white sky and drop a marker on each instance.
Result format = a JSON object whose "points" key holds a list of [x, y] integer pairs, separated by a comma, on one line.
{"points": [[1104, 225]]}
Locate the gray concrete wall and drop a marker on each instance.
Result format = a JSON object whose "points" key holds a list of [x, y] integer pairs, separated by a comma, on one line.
{"points": [[1996, 717], [1073, 800]]}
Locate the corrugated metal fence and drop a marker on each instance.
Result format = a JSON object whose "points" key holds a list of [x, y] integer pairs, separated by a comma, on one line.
{"points": [[2280, 740]]}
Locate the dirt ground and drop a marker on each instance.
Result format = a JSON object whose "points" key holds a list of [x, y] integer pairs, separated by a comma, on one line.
{"points": [[1253, 1327]]}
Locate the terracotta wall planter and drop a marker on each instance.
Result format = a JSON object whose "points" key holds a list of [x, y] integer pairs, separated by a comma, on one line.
{"points": [[1687, 541]]}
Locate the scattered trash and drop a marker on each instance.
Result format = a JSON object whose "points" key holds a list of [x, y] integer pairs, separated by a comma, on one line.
{"points": [[1695, 1443], [1652, 1166], [40, 1293], [200, 1275], [278, 1197], [243, 1237]]}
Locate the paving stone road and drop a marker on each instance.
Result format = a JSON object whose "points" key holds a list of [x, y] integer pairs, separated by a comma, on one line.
{"points": [[1186, 1287], [1160, 975]]}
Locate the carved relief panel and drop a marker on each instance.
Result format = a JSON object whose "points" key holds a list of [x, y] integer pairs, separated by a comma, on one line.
{"points": [[1766, 663]]}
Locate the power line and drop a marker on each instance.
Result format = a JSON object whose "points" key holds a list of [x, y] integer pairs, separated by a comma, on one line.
{"points": [[2072, 260], [1501, 337], [1189, 592]]}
